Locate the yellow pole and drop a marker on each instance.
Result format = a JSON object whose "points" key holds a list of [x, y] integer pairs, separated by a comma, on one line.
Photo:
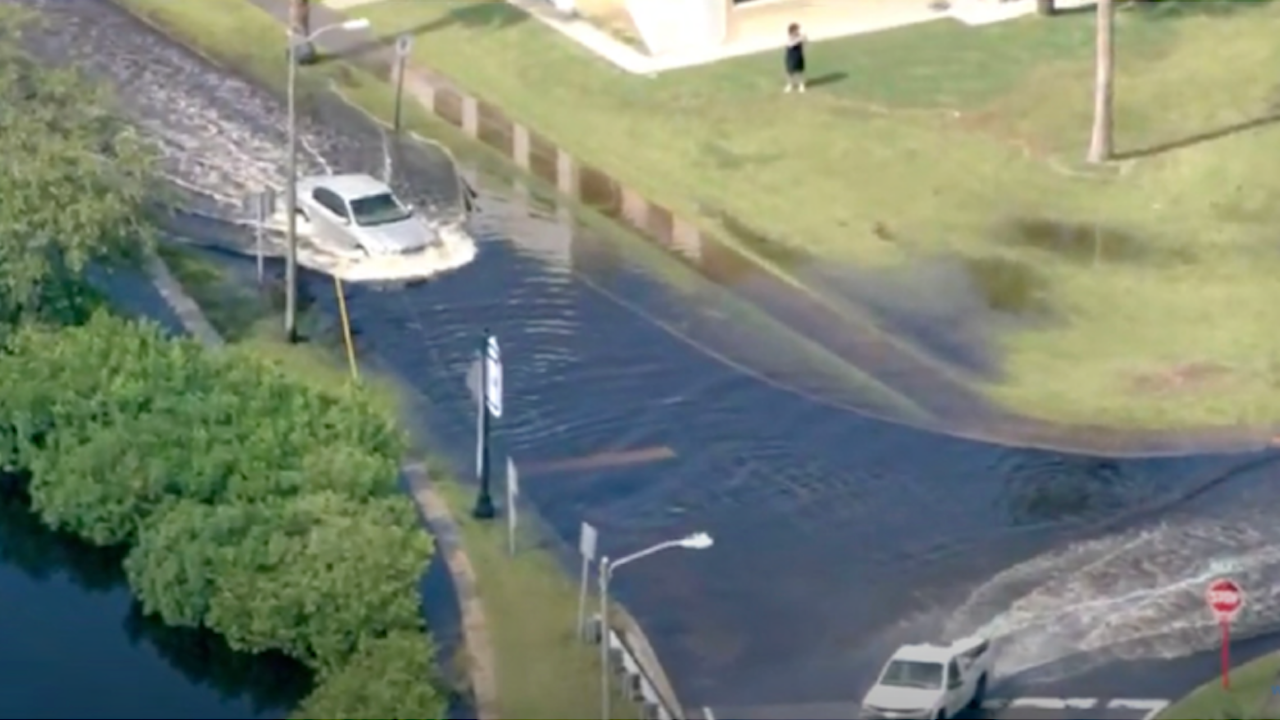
{"points": [[346, 329]]}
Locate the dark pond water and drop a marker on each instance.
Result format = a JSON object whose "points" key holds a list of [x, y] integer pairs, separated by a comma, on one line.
{"points": [[837, 535], [75, 644]]}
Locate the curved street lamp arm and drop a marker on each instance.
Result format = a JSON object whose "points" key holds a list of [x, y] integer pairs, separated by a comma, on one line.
{"points": [[344, 25], [615, 564]]}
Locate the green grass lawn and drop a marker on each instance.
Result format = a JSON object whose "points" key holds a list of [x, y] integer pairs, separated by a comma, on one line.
{"points": [[1251, 696], [948, 141]]}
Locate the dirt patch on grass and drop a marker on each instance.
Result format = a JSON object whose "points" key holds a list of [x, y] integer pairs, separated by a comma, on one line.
{"points": [[1182, 378]]}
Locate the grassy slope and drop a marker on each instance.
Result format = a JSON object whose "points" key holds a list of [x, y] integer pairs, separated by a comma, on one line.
{"points": [[1251, 689], [942, 134]]}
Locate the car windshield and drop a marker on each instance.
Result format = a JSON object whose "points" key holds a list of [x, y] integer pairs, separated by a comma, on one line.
{"points": [[378, 210], [912, 674]]}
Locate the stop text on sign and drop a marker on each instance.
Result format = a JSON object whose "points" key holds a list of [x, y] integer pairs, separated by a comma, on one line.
{"points": [[1224, 598]]}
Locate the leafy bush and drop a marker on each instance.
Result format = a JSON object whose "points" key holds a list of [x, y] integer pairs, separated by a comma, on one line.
{"points": [[261, 508], [116, 422], [387, 678], [312, 575]]}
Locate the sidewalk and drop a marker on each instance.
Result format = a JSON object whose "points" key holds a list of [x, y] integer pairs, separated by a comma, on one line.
{"points": [[759, 28]]}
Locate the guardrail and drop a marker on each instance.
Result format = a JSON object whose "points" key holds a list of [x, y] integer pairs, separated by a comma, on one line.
{"points": [[639, 686]]}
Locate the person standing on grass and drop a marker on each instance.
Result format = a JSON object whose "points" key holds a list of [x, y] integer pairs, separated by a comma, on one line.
{"points": [[794, 58]]}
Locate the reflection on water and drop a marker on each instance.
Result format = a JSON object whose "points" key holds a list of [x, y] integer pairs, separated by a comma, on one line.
{"points": [[67, 653], [952, 308], [271, 684]]}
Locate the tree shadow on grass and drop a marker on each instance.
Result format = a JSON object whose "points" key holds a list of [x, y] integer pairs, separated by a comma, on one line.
{"points": [[1163, 10], [479, 16], [1203, 137]]}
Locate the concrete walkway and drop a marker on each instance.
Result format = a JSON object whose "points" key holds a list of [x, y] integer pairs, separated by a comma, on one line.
{"points": [[760, 27]]}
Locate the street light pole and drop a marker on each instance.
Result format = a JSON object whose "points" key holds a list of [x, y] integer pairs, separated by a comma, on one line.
{"points": [[696, 541], [291, 193], [605, 571], [291, 202]]}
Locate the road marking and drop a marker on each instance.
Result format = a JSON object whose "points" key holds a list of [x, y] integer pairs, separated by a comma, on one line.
{"points": [[1040, 703], [599, 461], [1046, 703], [1126, 704]]}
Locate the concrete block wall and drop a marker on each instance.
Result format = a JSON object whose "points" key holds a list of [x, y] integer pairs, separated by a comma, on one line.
{"points": [[535, 154]]}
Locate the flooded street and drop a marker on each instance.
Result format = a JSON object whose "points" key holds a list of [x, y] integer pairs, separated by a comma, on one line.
{"points": [[837, 535]]}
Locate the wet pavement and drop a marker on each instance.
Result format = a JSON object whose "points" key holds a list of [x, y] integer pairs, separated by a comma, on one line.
{"points": [[837, 536]]}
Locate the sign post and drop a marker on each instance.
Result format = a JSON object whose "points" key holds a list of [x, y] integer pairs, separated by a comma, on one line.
{"points": [[513, 492], [404, 44], [261, 206], [1225, 599], [493, 377], [490, 405], [587, 549]]}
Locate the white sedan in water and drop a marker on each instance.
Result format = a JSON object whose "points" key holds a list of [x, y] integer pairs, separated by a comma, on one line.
{"points": [[360, 213]]}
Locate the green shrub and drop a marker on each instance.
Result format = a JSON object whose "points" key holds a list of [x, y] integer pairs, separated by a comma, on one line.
{"points": [[387, 678], [256, 506], [116, 422], [312, 575]]}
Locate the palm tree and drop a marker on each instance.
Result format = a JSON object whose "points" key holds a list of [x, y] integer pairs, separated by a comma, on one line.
{"points": [[1100, 145], [1045, 7], [300, 24]]}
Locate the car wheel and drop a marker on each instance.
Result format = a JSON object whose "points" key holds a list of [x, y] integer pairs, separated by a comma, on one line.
{"points": [[942, 715], [979, 693]]}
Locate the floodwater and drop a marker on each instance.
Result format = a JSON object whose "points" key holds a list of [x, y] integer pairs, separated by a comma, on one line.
{"points": [[837, 535], [75, 645]]}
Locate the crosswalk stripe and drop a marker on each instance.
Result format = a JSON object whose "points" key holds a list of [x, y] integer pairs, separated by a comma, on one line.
{"points": [[1127, 704], [1040, 703]]}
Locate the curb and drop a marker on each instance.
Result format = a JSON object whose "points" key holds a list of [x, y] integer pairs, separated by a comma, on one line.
{"points": [[481, 665]]}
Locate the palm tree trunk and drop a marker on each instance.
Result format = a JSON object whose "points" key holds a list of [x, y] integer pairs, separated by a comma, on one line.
{"points": [[300, 25], [1100, 145], [1045, 7], [300, 17]]}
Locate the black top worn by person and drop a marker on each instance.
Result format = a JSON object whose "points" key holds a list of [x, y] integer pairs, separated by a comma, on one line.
{"points": [[795, 51]]}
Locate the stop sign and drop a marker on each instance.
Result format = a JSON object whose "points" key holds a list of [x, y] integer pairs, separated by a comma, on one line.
{"points": [[1225, 598]]}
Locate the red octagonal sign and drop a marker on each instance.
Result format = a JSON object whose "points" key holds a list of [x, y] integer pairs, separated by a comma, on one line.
{"points": [[1225, 599]]}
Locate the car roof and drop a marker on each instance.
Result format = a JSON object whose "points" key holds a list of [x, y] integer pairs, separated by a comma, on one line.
{"points": [[352, 186], [924, 653]]}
